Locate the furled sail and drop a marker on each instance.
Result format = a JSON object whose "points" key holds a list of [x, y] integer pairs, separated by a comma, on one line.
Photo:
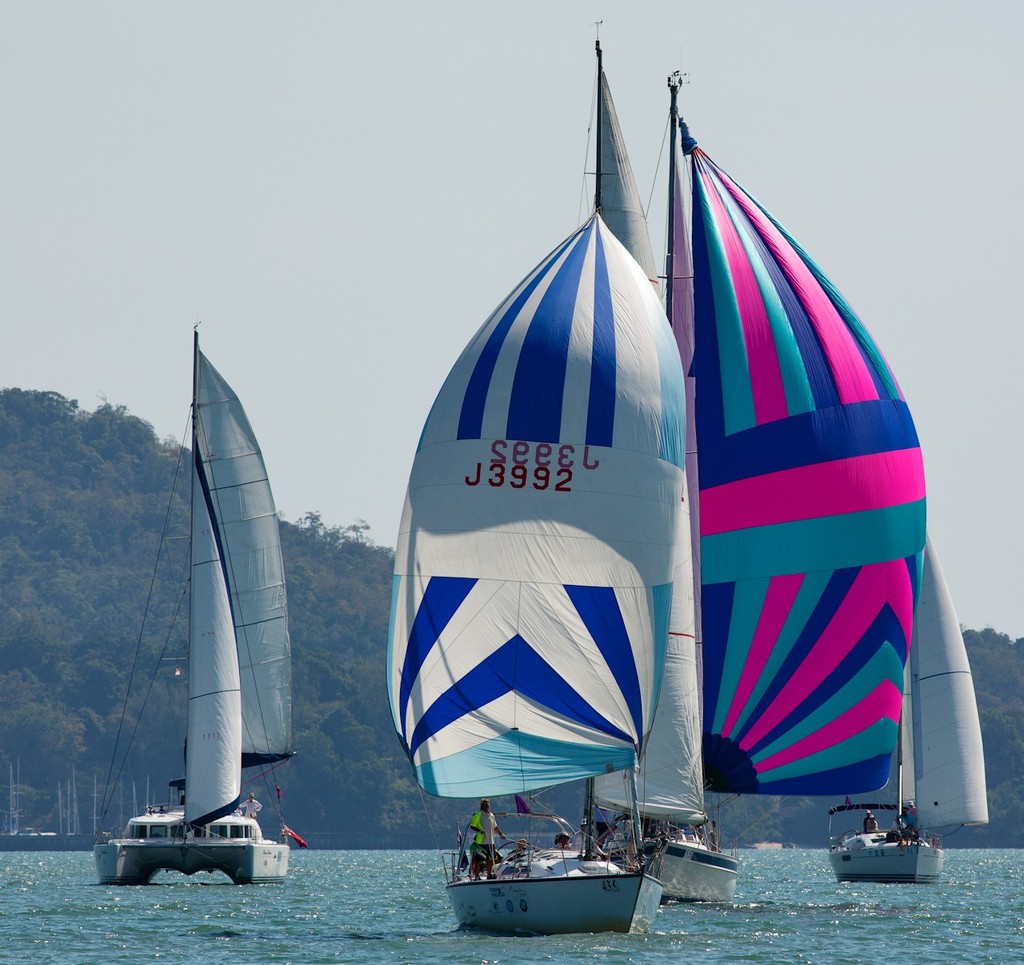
{"points": [[533, 572], [242, 507], [811, 507], [944, 765]]}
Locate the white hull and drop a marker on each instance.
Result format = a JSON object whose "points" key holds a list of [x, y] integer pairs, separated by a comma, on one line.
{"points": [[154, 842], [691, 872], [136, 862], [619, 902], [864, 859]]}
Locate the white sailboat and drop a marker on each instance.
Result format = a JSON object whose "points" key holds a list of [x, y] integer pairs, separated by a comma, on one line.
{"points": [[940, 769], [534, 569], [239, 682], [671, 776]]}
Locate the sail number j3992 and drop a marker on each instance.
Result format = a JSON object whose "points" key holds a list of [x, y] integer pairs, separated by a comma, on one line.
{"points": [[539, 465]]}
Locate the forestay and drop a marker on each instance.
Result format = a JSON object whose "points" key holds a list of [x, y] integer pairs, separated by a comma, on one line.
{"points": [[533, 572]]}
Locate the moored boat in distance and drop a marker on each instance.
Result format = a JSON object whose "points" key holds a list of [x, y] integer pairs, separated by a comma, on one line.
{"points": [[940, 762]]}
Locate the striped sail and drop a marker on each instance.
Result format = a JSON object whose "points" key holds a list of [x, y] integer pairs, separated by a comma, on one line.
{"points": [[245, 516], [812, 511], [533, 571], [944, 764]]}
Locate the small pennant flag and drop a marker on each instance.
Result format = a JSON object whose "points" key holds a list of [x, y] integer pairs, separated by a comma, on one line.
{"points": [[278, 789], [849, 803], [291, 834], [521, 806]]}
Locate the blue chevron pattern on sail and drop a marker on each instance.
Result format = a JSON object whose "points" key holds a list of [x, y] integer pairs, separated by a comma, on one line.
{"points": [[534, 565]]}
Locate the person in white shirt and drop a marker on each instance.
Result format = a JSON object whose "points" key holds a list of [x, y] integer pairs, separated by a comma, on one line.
{"points": [[250, 807]]}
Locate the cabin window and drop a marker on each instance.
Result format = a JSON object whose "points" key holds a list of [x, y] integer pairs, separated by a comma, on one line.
{"points": [[218, 831], [158, 831], [237, 831], [136, 831]]}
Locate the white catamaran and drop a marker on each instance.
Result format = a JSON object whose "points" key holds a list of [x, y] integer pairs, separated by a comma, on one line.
{"points": [[239, 681], [940, 767]]}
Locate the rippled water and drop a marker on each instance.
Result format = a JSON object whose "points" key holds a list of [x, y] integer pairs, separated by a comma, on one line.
{"points": [[390, 906]]}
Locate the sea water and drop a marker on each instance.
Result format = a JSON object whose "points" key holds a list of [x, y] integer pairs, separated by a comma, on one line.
{"points": [[390, 906]]}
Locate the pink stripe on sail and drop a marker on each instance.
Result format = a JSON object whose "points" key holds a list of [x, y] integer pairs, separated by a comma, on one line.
{"points": [[853, 380], [778, 601], [834, 488], [876, 585], [883, 703], [766, 387]]}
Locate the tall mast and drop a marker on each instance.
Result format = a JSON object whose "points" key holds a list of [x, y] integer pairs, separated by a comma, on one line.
{"points": [[673, 127], [597, 176]]}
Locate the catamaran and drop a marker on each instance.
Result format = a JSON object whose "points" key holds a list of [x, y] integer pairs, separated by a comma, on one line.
{"points": [[239, 680]]}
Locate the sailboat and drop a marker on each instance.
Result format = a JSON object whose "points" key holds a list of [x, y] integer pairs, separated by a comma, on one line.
{"points": [[807, 496], [940, 763], [534, 569], [671, 776], [239, 681]]}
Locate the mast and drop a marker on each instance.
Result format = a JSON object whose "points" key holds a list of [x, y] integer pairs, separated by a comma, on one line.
{"points": [[191, 504], [673, 124], [597, 175]]}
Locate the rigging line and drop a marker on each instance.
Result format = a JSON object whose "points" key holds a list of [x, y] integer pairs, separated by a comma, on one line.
{"points": [[142, 629], [583, 204], [657, 168], [145, 700], [433, 833]]}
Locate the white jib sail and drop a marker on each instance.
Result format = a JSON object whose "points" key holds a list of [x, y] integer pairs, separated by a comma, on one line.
{"points": [[670, 782], [949, 763]]}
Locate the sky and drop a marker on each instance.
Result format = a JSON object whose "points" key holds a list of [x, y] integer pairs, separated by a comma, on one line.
{"points": [[340, 193]]}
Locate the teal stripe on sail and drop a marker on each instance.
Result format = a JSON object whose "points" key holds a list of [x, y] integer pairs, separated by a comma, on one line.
{"points": [[842, 306], [855, 750], [830, 543], [884, 664], [795, 383], [517, 762], [808, 596], [748, 601], [737, 396]]}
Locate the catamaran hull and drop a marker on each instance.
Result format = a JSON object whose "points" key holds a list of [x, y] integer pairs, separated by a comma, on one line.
{"points": [[915, 863], [693, 873], [554, 906], [136, 862]]}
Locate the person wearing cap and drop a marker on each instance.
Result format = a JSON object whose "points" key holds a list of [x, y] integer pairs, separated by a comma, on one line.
{"points": [[870, 824]]}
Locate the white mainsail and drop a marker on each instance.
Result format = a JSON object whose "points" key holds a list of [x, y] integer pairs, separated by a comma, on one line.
{"points": [[943, 760], [247, 527]]}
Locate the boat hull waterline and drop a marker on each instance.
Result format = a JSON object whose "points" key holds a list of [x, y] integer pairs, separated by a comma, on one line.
{"points": [[136, 862], [691, 872], [619, 902], [918, 863]]}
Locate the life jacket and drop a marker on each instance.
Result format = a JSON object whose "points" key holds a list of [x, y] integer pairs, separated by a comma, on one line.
{"points": [[476, 824]]}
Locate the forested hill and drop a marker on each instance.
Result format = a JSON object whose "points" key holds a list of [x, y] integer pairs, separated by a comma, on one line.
{"points": [[84, 500]]}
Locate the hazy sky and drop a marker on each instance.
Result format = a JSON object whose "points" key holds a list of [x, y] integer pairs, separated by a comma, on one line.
{"points": [[342, 192]]}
